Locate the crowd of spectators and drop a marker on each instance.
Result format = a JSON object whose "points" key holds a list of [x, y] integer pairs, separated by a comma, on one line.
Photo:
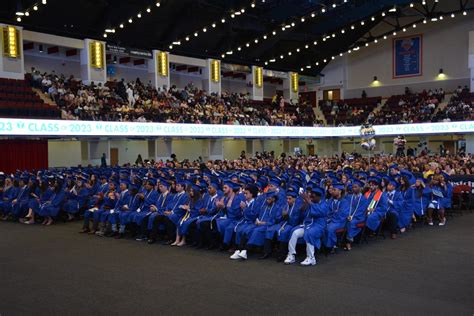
{"points": [[139, 102], [459, 108]]}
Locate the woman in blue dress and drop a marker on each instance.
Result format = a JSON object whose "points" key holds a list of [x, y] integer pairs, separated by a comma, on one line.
{"points": [[193, 209]]}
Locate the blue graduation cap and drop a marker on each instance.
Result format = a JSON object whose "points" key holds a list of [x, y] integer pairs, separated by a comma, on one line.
{"points": [[374, 180], [338, 186]]}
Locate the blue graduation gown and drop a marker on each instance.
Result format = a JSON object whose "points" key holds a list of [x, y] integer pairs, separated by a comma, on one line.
{"points": [[358, 210], [447, 201], [421, 200], [315, 223], [164, 199], [190, 217], [177, 213], [293, 219], [249, 215], [20, 208], [125, 215], [407, 208], [337, 219], [7, 197], [394, 203], [230, 214], [211, 209], [374, 219], [114, 215], [53, 206], [271, 215], [141, 213]]}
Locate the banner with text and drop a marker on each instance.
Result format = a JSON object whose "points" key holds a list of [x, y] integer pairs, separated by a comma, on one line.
{"points": [[60, 128]]}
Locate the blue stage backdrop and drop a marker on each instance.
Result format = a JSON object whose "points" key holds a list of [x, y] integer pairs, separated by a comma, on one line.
{"points": [[408, 56]]}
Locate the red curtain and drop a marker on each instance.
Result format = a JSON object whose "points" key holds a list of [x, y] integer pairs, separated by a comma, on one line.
{"points": [[23, 155]]}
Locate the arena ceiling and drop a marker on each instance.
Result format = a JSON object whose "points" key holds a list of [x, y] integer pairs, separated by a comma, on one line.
{"points": [[277, 34]]}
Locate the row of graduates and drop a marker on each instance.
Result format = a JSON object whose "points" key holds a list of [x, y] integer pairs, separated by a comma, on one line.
{"points": [[257, 214]]}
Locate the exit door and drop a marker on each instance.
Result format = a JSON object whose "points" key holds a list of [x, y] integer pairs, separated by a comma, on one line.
{"points": [[114, 156]]}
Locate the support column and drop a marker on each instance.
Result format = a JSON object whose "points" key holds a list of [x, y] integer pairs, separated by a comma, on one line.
{"points": [[291, 87], [256, 77], [211, 77], [93, 65], [12, 62], [163, 149], [158, 70]]}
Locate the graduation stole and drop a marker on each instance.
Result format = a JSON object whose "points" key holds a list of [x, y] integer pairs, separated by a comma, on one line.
{"points": [[375, 199]]}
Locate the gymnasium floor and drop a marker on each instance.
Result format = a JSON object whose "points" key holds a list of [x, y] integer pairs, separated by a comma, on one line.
{"points": [[55, 270]]}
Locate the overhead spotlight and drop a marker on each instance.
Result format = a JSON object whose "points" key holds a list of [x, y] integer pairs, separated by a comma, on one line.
{"points": [[317, 63], [256, 41], [394, 9], [171, 46], [293, 24], [223, 55], [253, 5], [130, 20], [349, 51], [324, 39], [423, 2], [376, 41], [424, 21], [332, 57], [281, 56], [18, 19], [44, 2], [334, 5], [177, 43], [309, 66], [333, 35], [264, 37], [229, 52], [313, 15], [242, 10], [325, 60], [383, 13], [223, 20], [362, 22], [352, 27], [187, 38], [340, 54], [306, 46], [404, 29], [213, 25], [366, 44], [394, 33], [372, 18], [139, 15], [414, 26], [464, 13], [204, 30], [274, 33], [158, 4], [297, 50], [342, 31], [20, 13], [121, 25], [434, 19], [315, 43], [232, 15], [35, 8], [289, 53], [148, 10], [323, 10], [302, 19], [105, 35], [266, 63], [196, 34], [411, 5], [272, 60], [237, 13], [385, 37], [302, 69], [239, 48], [248, 45], [453, 15]]}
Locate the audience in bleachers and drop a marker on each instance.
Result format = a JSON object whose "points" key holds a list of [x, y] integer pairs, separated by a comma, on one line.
{"points": [[139, 102]]}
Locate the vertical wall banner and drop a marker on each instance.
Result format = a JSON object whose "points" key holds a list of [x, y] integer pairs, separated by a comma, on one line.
{"points": [[408, 56]]}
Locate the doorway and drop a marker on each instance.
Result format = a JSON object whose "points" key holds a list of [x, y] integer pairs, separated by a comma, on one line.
{"points": [[332, 95], [310, 150], [114, 156]]}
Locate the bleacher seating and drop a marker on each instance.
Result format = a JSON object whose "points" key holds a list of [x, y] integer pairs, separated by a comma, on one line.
{"points": [[350, 111], [17, 99]]}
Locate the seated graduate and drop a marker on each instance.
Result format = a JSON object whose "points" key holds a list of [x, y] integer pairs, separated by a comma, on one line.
{"points": [[173, 213], [421, 196], [357, 212], [37, 200], [291, 217], [439, 192], [446, 202], [110, 217], [77, 197], [8, 193], [101, 215], [206, 222], [408, 193], [338, 214], [250, 209], [254, 235], [193, 209], [50, 209], [19, 205], [95, 211], [229, 206], [394, 207], [164, 199], [125, 212], [313, 227], [149, 197], [377, 204]]}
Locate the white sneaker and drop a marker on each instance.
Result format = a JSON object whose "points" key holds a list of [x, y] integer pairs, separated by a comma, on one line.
{"points": [[309, 262], [243, 254], [430, 223], [235, 256], [442, 223], [290, 259]]}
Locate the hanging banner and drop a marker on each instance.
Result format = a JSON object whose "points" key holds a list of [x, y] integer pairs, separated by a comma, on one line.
{"points": [[408, 56]]}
